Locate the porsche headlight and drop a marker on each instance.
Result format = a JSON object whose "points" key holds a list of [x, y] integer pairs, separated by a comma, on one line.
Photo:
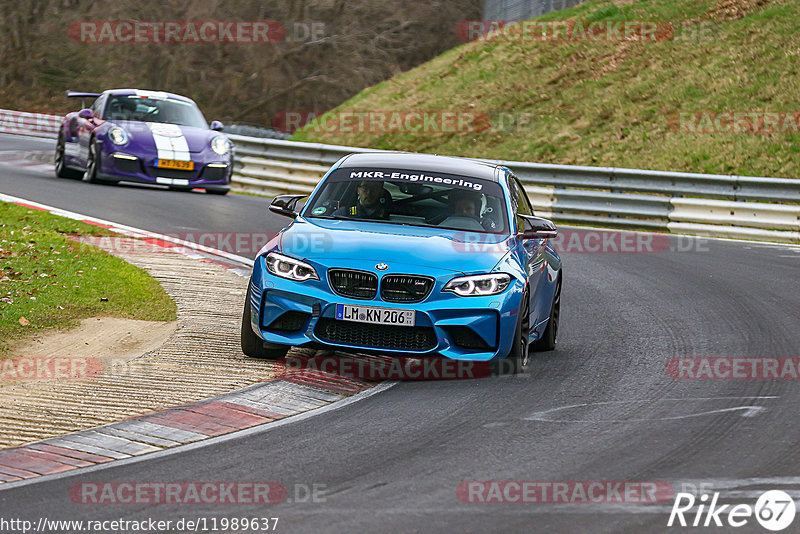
{"points": [[478, 285], [219, 145], [290, 268], [118, 136]]}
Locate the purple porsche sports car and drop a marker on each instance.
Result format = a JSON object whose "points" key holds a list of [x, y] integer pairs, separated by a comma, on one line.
{"points": [[148, 137]]}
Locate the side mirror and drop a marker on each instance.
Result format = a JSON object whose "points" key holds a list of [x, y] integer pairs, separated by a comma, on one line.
{"points": [[537, 228], [85, 113], [216, 126], [285, 205]]}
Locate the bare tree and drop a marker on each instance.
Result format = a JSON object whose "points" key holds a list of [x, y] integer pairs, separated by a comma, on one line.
{"points": [[332, 50]]}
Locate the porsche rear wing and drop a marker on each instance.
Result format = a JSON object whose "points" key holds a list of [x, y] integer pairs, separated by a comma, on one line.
{"points": [[82, 96], [78, 94]]}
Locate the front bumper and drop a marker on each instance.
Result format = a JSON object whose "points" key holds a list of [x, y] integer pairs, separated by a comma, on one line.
{"points": [[293, 313], [120, 166]]}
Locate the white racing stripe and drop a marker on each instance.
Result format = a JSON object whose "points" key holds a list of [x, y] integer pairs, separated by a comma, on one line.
{"points": [[155, 95], [170, 141]]}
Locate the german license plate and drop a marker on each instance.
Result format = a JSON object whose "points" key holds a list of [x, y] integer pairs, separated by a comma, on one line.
{"points": [[175, 164], [370, 314]]}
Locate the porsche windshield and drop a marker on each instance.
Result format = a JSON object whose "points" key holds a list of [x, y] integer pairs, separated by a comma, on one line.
{"points": [[146, 109], [412, 198]]}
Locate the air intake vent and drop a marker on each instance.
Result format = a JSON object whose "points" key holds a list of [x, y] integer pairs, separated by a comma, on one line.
{"points": [[415, 338], [355, 284], [291, 321], [405, 287]]}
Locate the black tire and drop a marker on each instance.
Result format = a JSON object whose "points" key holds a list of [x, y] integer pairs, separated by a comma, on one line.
{"points": [[518, 358], [90, 174], [550, 335], [61, 170], [254, 346], [217, 191]]}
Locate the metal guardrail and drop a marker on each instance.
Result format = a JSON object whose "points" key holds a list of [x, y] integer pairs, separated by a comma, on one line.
{"points": [[742, 207], [523, 9]]}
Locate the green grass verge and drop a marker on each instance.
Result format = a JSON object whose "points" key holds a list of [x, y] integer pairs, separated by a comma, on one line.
{"points": [[611, 103], [48, 281]]}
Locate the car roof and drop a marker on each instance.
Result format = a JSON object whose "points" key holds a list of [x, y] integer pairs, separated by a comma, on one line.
{"points": [[424, 162], [144, 92]]}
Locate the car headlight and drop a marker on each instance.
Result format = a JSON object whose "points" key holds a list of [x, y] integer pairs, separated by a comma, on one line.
{"points": [[290, 268], [219, 145], [478, 285], [118, 136]]}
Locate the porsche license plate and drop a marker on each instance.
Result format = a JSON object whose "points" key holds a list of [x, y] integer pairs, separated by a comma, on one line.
{"points": [[370, 314], [175, 164]]}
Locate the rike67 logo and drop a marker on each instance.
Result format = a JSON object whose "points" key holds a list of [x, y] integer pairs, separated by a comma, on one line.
{"points": [[774, 510]]}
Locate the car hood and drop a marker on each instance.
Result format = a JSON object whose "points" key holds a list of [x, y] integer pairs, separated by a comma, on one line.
{"points": [[324, 240], [144, 134]]}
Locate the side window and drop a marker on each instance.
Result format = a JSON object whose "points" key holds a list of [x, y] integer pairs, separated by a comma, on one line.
{"points": [[525, 207], [97, 107], [519, 200]]}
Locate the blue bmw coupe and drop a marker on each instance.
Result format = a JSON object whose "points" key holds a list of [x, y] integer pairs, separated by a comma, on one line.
{"points": [[408, 255]]}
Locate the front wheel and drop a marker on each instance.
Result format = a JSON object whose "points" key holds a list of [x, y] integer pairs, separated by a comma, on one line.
{"points": [[517, 359], [252, 345], [217, 191], [550, 335]]}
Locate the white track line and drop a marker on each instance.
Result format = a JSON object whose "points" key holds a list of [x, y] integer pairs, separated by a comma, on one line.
{"points": [[130, 230], [266, 427]]}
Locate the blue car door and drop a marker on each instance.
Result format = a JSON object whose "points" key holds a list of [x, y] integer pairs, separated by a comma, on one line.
{"points": [[532, 254]]}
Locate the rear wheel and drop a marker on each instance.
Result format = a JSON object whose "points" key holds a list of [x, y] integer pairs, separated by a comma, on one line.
{"points": [[62, 171], [517, 359], [550, 335], [254, 346]]}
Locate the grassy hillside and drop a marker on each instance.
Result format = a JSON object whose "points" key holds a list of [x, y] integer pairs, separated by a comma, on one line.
{"points": [[613, 103]]}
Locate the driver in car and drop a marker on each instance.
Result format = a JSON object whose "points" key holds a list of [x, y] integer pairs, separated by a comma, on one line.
{"points": [[373, 202], [464, 204], [464, 211]]}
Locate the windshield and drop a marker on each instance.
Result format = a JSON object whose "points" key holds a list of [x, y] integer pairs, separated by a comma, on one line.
{"points": [[148, 109], [413, 198]]}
